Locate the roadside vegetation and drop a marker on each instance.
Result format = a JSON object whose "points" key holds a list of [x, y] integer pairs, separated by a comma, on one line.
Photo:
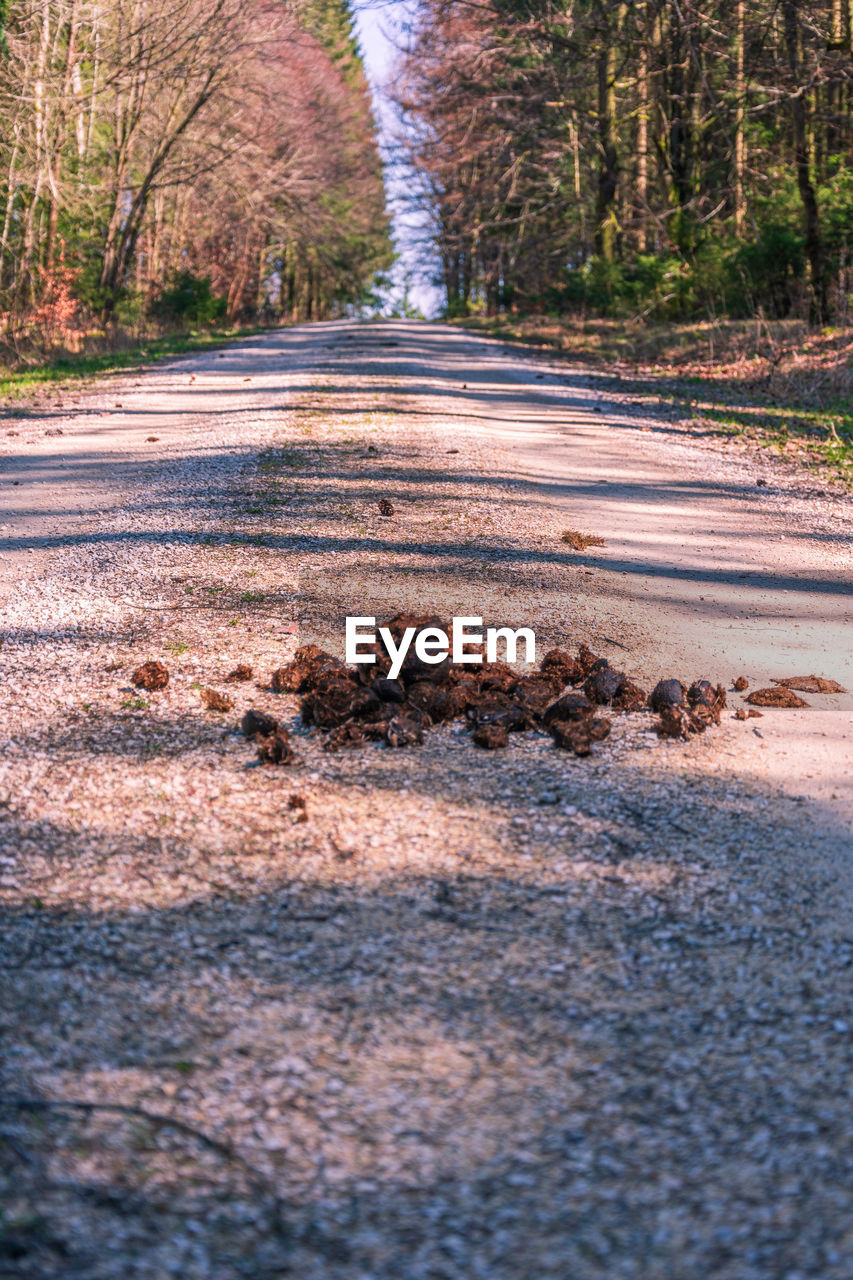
{"points": [[670, 159], [202, 164], [57, 373], [779, 384]]}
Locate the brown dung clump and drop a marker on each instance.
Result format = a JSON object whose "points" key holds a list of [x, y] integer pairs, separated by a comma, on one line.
{"points": [[299, 673], [776, 697], [241, 672], [629, 697], [215, 701], [151, 676], [349, 734], [297, 806], [701, 706], [354, 706], [559, 665], [667, 694], [406, 730], [258, 724], [490, 736], [579, 735], [276, 748]]}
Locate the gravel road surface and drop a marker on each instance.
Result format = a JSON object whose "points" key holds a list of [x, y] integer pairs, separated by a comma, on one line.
{"points": [[506, 1015]]}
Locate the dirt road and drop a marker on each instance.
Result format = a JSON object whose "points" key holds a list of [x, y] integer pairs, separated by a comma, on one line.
{"points": [[504, 1014]]}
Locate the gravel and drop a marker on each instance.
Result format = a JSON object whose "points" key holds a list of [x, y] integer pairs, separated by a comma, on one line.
{"points": [[498, 1015]]}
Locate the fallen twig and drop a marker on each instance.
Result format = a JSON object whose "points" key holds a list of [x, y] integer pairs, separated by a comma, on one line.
{"points": [[222, 1149]]}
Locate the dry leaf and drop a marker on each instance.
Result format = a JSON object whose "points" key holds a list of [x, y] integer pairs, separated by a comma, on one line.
{"points": [[580, 541], [777, 697], [810, 684], [215, 701]]}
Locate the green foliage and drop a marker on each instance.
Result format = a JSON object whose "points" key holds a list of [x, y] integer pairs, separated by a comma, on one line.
{"points": [[86, 286], [187, 299], [332, 22], [131, 309], [771, 269], [633, 159], [836, 202], [662, 285], [724, 277], [456, 308]]}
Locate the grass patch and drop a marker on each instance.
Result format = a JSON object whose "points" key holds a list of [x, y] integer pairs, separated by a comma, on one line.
{"points": [[67, 370]]}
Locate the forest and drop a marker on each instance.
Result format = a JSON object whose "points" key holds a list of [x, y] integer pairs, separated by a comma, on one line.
{"points": [[218, 162], [181, 162], [671, 158]]}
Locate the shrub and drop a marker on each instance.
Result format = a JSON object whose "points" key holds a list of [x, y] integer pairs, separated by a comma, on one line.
{"points": [[187, 299], [768, 272]]}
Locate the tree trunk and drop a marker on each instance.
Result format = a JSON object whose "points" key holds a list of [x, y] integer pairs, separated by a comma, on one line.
{"points": [[606, 222], [819, 306], [740, 115], [26, 274], [643, 139]]}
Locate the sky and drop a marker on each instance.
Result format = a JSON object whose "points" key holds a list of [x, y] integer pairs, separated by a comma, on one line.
{"points": [[380, 27]]}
